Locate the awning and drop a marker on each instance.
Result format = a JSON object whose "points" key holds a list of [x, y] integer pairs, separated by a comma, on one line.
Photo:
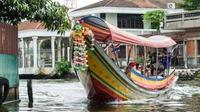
{"points": [[104, 32]]}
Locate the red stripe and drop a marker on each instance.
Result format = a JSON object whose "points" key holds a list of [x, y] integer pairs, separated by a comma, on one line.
{"points": [[154, 87], [99, 92]]}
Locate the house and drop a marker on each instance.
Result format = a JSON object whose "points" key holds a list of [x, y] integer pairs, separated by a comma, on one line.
{"points": [[39, 49], [189, 22], [128, 16]]}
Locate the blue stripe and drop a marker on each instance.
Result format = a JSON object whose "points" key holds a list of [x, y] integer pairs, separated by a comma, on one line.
{"points": [[147, 78]]}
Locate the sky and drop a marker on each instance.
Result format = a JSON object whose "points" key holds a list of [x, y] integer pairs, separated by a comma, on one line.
{"points": [[80, 3]]}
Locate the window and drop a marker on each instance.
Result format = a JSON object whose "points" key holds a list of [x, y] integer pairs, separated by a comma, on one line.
{"points": [[130, 21], [198, 47], [103, 16]]}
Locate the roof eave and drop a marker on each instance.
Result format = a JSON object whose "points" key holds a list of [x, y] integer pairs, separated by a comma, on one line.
{"points": [[127, 10]]}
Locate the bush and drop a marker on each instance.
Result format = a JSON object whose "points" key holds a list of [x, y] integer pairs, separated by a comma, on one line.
{"points": [[63, 67]]}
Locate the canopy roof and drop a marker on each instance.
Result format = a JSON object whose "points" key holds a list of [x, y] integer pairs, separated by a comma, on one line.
{"points": [[105, 32]]}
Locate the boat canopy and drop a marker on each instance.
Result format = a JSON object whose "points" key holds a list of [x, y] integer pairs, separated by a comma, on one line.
{"points": [[105, 32]]}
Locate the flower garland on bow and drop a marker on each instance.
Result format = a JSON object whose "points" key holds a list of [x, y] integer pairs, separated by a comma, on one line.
{"points": [[79, 34]]}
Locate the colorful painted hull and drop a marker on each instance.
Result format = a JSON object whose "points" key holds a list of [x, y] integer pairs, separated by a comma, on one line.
{"points": [[104, 81]]}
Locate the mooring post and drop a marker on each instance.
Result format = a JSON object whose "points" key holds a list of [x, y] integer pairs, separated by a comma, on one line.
{"points": [[30, 93]]}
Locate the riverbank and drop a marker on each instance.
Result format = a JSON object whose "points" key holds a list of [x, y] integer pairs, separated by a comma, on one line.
{"points": [[56, 76]]}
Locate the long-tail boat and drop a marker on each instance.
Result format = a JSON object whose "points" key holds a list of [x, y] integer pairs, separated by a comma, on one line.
{"points": [[102, 79]]}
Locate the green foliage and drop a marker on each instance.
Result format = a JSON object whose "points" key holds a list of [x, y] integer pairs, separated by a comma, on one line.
{"points": [[139, 60], [53, 15], [155, 18], [197, 74], [190, 4], [63, 67]]}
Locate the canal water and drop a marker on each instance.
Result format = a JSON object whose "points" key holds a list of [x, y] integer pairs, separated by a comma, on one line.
{"points": [[69, 96]]}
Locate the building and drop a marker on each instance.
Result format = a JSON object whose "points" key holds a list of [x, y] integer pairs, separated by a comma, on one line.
{"points": [[39, 49], [189, 22], [128, 15]]}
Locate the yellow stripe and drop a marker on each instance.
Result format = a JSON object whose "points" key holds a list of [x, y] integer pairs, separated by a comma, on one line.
{"points": [[96, 66], [150, 82]]}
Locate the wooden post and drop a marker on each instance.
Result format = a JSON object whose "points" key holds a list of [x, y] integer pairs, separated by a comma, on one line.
{"points": [[30, 93]]}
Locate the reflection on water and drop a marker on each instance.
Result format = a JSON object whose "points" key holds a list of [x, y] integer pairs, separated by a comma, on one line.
{"points": [[60, 95]]}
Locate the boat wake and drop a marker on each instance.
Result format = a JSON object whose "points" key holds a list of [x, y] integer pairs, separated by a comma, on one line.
{"points": [[175, 96], [181, 91]]}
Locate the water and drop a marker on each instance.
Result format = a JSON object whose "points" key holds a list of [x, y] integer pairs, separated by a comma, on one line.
{"points": [[69, 96]]}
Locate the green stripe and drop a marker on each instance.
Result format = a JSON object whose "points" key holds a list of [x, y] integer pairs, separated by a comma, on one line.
{"points": [[9, 69], [105, 83], [124, 84], [116, 76], [113, 71]]}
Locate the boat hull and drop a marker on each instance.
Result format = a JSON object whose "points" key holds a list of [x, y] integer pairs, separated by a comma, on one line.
{"points": [[104, 81]]}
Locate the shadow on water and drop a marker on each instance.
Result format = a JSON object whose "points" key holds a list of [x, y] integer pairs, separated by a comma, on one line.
{"points": [[12, 107], [62, 96]]}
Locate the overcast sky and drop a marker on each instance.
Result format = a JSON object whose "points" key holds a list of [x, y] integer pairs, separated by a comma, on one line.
{"points": [[80, 3]]}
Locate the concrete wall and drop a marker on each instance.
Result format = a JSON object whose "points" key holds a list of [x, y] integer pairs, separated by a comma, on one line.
{"points": [[9, 59], [9, 54]]}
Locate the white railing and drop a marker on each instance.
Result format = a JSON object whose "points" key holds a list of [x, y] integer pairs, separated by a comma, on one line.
{"points": [[140, 31], [147, 31], [184, 16]]}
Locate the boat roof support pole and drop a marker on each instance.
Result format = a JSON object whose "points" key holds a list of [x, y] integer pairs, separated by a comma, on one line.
{"points": [[156, 62], [145, 58], [116, 58], [167, 63], [129, 54]]}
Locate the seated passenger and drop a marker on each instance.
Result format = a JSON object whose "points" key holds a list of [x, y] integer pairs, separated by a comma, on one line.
{"points": [[130, 66], [139, 69], [156, 77], [148, 71]]}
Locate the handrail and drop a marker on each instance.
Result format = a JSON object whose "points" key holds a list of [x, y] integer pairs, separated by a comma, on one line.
{"points": [[183, 16]]}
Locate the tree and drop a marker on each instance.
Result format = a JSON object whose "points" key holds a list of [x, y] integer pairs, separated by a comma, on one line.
{"points": [[53, 15], [190, 4], [155, 18]]}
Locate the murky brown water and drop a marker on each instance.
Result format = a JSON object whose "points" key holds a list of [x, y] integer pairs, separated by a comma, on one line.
{"points": [[69, 96]]}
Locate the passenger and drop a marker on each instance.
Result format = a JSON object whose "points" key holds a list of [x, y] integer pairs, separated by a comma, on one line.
{"points": [[139, 69], [166, 62], [152, 68], [148, 71], [129, 67]]}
